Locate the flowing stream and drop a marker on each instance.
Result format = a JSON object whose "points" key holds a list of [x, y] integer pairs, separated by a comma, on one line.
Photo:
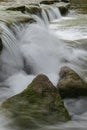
{"points": [[44, 47]]}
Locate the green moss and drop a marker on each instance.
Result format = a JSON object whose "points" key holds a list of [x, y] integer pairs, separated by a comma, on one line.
{"points": [[40, 103]]}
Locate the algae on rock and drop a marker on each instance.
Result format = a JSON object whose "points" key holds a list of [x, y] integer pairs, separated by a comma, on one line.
{"points": [[39, 104]]}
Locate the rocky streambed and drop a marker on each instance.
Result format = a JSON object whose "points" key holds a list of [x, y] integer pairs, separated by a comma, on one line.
{"points": [[41, 103]]}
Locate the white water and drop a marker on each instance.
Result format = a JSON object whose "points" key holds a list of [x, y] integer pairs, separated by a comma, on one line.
{"points": [[37, 49], [73, 27], [50, 13], [10, 58]]}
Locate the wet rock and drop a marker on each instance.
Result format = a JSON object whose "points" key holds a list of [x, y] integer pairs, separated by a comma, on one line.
{"points": [[63, 10], [17, 8], [79, 5], [17, 12], [48, 2], [33, 9], [66, 1], [1, 45], [10, 17], [30, 8], [63, 7], [70, 84], [39, 104]]}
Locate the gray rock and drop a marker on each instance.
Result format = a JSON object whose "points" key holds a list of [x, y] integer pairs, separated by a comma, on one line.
{"points": [[39, 104], [70, 84]]}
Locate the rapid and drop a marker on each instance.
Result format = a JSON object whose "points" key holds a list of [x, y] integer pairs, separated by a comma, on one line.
{"points": [[44, 47]]}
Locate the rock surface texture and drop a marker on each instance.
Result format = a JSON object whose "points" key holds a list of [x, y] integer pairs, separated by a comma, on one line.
{"points": [[70, 84], [40, 103]]}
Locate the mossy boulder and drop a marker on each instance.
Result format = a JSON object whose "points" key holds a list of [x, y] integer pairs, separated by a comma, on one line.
{"points": [[39, 104], [70, 84]]}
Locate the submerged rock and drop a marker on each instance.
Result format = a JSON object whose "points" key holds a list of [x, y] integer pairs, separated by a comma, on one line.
{"points": [[39, 104], [70, 84]]}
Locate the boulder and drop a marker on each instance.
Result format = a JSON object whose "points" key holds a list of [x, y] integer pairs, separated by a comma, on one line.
{"points": [[63, 10], [39, 104], [70, 84]]}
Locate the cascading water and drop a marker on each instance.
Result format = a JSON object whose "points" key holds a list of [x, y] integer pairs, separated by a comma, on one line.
{"points": [[50, 13], [10, 58], [36, 50], [48, 55], [56, 13], [44, 16]]}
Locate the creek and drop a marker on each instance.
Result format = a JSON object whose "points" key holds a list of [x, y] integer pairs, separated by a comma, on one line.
{"points": [[44, 47]]}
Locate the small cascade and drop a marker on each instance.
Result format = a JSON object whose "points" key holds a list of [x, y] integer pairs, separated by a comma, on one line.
{"points": [[44, 16], [42, 49], [50, 14], [46, 53], [37, 48], [56, 12], [10, 59]]}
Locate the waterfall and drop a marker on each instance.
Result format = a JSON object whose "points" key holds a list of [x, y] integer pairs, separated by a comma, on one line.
{"points": [[36, 49], [56, 12], [50, 13], [46, 53], [10, 59], [42, 50], [44, 16]]}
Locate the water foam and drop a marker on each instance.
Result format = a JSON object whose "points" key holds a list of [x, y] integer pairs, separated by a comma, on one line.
{"points": [[37, 50], [10, 58]]}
